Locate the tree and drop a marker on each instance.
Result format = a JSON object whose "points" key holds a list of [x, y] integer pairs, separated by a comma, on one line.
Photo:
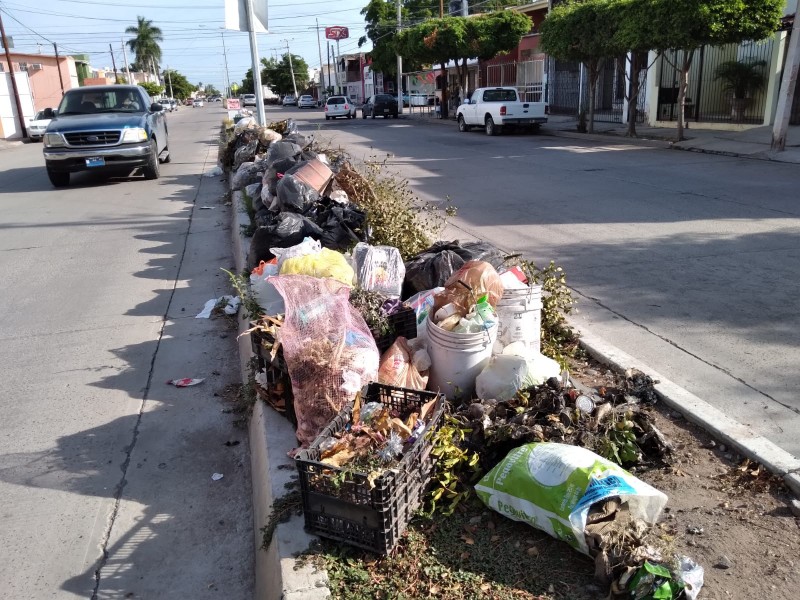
{"points": [[248, 87], [145, 44], [152, 89], [583, 32], [278, 74], [685, 25], [211, 90], [181, 88], [461, 38]]}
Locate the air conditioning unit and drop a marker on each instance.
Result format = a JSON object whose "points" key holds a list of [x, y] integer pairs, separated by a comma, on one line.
{"points": [[36, 67], [23, 66]]}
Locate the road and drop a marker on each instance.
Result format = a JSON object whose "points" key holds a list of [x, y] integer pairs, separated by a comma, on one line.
{"points": [[689, 262], [106, 484]]}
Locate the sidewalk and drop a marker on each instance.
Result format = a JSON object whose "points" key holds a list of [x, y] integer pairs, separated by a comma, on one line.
{"points": [[750, 143]]}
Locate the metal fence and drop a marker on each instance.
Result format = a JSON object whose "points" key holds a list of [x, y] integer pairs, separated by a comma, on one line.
{"points": [[707, 98], [527, 76]]}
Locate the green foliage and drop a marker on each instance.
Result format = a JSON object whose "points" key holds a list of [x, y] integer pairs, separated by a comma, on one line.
{"points": [[619, 445], [181, 88], [282, 510], [581, 31], [278, 74], [456, 469], [247, 87], [145, 44], [241, 284], [742, 78], [381, 26], [152, 89]]}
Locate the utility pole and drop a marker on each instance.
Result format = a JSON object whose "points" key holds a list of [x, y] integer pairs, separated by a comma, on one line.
{"points": [[788, 83], [113, 63], [251, 28], [321, 66], [400, 64], [155, 71], [291, 68], [228, 93], [58, 66], [464, 8], [20, 116], [127, 65], [169, 79], [443, 105]]}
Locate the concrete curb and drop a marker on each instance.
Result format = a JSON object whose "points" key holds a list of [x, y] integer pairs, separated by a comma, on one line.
{"points": [[700, 412], [271, 438]]}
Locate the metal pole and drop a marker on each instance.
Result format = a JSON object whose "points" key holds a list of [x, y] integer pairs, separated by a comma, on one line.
{"points": [[58, 66], [464, 8], [291, 68], [338, 58], [329, 64], [788, 83], [321, 66], [21, 118], [262, 117], [127, 66], [227, 75], [169, 79], [113, 63], [400, 64]]}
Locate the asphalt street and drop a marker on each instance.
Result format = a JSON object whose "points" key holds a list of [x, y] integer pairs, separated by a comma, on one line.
{"points": [[106, 486], [689, 262]]}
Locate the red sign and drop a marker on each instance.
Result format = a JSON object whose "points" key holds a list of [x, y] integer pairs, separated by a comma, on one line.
{"points": [[337, 33], [232, 104]]}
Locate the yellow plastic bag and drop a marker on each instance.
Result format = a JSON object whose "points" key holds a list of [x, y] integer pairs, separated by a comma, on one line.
{"points": [[325, 263]]}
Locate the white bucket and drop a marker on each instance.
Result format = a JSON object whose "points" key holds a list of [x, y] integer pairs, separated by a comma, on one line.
{"points": [[457, 359], [520, 315]]}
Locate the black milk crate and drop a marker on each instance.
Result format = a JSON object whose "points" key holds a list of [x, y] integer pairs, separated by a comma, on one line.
{"points": [[343, 506], [403, 323]]}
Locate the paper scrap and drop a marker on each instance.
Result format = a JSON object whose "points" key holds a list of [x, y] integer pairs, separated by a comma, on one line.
{"points": [[185, 382], [230, 303], [217, 476]]}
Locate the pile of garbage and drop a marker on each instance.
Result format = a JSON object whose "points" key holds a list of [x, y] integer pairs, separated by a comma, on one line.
{"points": [[457, 319]]}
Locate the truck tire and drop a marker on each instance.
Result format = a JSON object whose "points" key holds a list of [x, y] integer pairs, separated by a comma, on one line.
{"points": [[58, 178], [491, 128], [151, 171], [462, 124]]}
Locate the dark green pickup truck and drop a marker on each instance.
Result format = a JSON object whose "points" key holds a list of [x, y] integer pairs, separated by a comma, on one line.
{"points": [[105, 128]]}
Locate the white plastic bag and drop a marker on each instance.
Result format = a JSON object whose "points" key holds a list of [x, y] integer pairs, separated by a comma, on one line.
{"points": [[540, 367], [552, 486], [379, 269], [264, 292], [502, 378], [304, 248]]}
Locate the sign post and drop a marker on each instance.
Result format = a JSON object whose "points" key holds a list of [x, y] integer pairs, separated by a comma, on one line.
{"points": [[337, 33]]}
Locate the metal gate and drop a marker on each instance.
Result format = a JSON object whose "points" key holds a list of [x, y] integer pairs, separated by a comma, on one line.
{"points": [[527, 76]]}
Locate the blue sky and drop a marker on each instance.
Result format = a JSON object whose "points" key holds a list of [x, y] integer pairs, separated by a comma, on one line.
{"points": [[192, 31]]}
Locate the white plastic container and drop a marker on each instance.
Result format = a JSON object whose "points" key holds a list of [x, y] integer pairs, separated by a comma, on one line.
{"points": [[520, 315], [457, 359]]}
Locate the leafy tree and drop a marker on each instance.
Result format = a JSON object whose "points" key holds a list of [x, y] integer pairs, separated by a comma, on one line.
{"points": [[248, 87], [583, 32], [278, 74], [181, 88], [145, 44], [211, 90], [685, 25], [462, 38], [152, 89]]}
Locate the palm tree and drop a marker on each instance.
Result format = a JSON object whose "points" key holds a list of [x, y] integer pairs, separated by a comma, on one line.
{"points": [[145, 45]]}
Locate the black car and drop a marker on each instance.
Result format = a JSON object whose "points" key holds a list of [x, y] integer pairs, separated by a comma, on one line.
{"points": [[104, 128], [380, 105]]}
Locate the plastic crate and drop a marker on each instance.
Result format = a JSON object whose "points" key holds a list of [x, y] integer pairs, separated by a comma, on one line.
{"points": [[276, 371], [403, 324], [347, 508]]}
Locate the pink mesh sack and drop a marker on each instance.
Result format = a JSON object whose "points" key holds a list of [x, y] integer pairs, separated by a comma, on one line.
{"points": [[329, 350]]}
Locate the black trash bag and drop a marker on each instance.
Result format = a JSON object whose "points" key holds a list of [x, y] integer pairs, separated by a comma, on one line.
{"points": [[294, 195], [342, 226], [265, 217], [280, 150], [246, 153], [296, 138], [253, 191], [287, 230], [275, 172], [433, 267]]}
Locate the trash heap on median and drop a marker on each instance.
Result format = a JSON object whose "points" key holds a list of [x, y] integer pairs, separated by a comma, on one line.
{"points": [[376, 357]]}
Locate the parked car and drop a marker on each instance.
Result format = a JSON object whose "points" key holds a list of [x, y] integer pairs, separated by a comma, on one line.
{"points": [[306, 102], [339, 106], [381, 105], [38, 124], [289, 101], [248, 100], [198, 103], [499, 107], [105, 128], [189, 101]]}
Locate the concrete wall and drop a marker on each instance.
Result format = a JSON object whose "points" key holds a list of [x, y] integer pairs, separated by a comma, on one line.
{"points": [[45, 83], [9, 124]]}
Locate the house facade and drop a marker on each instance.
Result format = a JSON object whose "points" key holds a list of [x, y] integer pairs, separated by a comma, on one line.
{"points": [[49, 76]]}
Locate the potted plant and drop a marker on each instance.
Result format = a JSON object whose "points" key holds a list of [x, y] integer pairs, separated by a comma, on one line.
{"points": [[743, 79]]}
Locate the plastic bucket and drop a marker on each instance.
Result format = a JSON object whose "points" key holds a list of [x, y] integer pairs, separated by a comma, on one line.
{"points": [[457, 359], [520, 315]]}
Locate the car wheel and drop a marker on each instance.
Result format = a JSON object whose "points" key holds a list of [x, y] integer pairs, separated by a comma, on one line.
{"points": [[462, 124], [151, 169], [491, 128], [58, 179], [327, 118]]}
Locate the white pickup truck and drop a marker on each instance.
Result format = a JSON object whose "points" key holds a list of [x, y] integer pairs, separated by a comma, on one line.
{"points": [[496, 107]]}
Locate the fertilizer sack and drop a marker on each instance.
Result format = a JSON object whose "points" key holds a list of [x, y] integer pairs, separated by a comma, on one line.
{"points": [[552, 486]]}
